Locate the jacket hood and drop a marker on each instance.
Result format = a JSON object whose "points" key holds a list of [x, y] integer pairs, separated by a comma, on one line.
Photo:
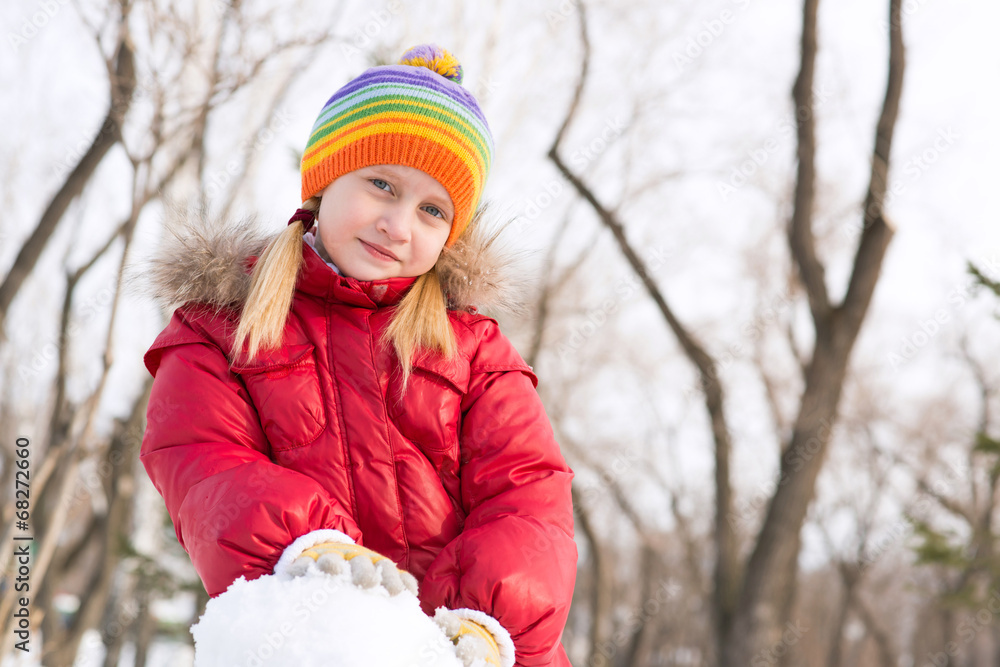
{"points": [[205, 260]]}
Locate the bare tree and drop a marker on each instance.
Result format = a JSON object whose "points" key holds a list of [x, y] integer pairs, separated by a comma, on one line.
{"points": [[122, 79], [83, 525], [852, 558], [965, 561], [752, 601]]}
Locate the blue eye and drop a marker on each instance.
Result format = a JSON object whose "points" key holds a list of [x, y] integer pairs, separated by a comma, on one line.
{"points": [[435, 211], [380, 184]]}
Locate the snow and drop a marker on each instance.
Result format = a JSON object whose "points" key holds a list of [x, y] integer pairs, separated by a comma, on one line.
{"points": [[317, 619]]}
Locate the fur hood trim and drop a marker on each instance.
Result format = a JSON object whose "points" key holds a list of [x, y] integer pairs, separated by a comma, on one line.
{"points": [[204, 260]]}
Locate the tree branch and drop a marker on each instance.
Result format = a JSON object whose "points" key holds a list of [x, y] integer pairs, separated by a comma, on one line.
{"points": [[800, 236], [877, 232], [770, 580], [727, 566], [122, 87]]}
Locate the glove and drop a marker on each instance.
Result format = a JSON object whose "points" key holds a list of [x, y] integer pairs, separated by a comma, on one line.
{"points": [[335, 556], [478, 638]]}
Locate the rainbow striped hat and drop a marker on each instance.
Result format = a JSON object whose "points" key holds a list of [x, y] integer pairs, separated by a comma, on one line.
{"points": [[416, 114]]}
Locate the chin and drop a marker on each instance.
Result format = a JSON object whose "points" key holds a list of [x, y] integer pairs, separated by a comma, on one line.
{"points": [[370, 275]]}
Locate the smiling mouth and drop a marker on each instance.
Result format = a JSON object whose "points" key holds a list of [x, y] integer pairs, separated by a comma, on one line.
{"points": [[379, 251]]}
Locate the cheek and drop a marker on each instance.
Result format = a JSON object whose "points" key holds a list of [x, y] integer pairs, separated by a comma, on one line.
{"points": [[337, 225], [324, 237], [423, 258], [432, 245]]}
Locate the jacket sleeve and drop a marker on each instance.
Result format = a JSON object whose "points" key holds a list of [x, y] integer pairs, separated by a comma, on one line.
{"points": [[515, 558], [234, 510]]}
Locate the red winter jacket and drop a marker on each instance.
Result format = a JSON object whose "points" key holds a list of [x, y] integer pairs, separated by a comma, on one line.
{"points": [[460, 482]]}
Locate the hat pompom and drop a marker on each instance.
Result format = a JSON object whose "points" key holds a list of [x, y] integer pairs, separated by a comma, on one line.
{"points": [[434, 58]]}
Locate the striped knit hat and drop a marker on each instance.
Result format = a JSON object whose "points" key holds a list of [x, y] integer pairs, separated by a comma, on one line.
{"points": [[415, 114]]}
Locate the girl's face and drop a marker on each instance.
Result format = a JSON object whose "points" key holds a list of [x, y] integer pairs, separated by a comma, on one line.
{"points": [[383, 221]]}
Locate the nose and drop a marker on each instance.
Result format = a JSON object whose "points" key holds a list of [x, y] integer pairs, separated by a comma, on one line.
{"points": [[395, 223]]}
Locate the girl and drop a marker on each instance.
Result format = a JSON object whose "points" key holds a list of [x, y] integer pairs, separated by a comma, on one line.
{"points": [[346, 403]]}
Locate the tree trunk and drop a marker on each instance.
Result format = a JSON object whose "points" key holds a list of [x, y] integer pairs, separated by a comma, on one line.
{"points": [[849, 580], [726, 574], [769, 584], [643, 640], [601, 582], [888, 656], [120, 460], [770, 578], [145, 626]]}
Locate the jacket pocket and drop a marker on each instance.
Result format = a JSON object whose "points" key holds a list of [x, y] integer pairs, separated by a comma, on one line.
{"points": [[452, 373], [285, 389], [429, 414]]}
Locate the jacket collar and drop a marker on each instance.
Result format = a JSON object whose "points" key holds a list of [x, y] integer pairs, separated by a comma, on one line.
{"points": [[318, 278]]}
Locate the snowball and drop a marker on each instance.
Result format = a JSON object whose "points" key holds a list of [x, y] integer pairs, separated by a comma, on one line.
{"points": [[317, 619]]}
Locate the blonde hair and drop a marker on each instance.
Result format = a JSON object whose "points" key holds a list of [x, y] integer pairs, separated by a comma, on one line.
{"points": [[420, 319]]}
